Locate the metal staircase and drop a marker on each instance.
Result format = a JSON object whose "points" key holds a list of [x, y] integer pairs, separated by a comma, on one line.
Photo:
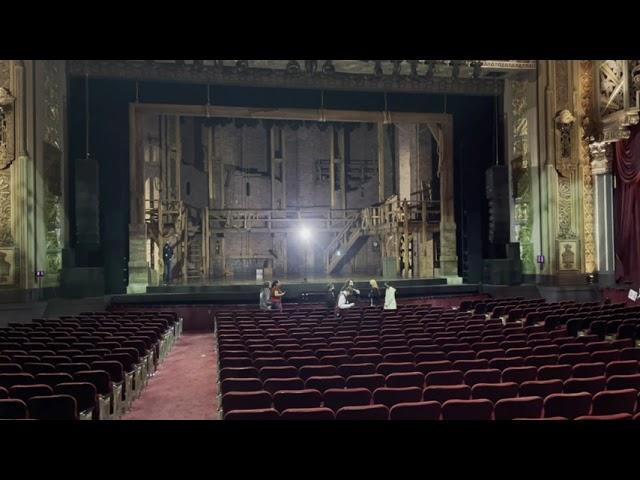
{"points": [[194, 258], [345, 245]]}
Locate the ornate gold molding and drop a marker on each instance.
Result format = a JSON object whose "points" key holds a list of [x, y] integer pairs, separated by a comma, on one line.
{"points": [[600, 157], [264, 77], [616, 125], [586, 82]]}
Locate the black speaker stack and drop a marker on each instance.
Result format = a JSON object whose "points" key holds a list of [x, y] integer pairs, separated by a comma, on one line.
{"points": [[504, 266]]}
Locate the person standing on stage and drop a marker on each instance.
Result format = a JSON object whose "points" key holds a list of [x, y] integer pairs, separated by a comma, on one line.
{"points": [[276, 296], [374, 293], [167, 255], [265, 296]]}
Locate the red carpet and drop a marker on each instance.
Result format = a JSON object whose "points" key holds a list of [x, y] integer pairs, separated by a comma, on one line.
{"points": [[185, 385]]}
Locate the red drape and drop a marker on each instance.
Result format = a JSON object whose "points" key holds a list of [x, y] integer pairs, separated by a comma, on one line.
{"points": [[627, 208]]}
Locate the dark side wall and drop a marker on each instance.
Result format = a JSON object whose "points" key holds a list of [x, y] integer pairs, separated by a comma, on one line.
{"points": [[109, 143]]}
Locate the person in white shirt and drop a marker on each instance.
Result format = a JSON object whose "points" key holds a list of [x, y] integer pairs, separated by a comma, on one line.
{"points": [[390, 298], [265, 296], [343, 302]]}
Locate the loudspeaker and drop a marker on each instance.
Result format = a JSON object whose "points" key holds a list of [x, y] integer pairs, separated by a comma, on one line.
{"points": [[497, 182], [497, 191]]}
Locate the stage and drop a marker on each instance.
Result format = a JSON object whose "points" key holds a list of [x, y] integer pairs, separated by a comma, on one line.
{"points": [[297, 291]]}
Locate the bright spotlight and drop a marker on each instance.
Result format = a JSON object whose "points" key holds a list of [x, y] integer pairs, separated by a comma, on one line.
{"points": [[305, 233], [338, 253]]}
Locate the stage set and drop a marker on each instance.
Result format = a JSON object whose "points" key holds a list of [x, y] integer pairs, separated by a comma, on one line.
{"points": [[244, 196]]}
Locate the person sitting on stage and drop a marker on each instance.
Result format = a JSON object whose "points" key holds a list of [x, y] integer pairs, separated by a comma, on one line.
{"points": [[343, 302], [331, 297], [265, 296], [276, 296], [374, 293]]}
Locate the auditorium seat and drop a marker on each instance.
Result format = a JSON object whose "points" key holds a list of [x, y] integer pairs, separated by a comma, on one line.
{"points": [[338, 398], [10, 368], [592, 385], [320, 413], [568, 405], [519, 374], [615, 401], [243, 385], [489, 375], [253, 415], [467, 410], [586, 370], [306, 398], [392, 396], [307, 372], [529, 407], [370, 382], [415, 411], [53, 407], [245, 400], [8, 380], [323, 383], [13, 409], [540, 388], [494, 391], [555, 372], [369, 412], [617, 416], [442, 393], [466, 365], [622, 367], [101, 380], [408, 379]]}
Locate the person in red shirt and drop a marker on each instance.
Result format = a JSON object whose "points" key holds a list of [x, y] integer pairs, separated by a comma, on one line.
{"points": [[276, 295]]}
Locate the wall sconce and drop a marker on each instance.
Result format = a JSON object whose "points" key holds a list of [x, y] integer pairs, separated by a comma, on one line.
{"points": [[397, 66], [455, 67], [311, 66], [431, 69], [564, 122], [328, 67], [414, 69], [293, 67], [242, 66], [477, 68], [377, 69], [6, 100]]}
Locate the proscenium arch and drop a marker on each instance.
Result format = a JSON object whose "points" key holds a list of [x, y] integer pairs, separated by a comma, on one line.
{"points": [[438, 122]]}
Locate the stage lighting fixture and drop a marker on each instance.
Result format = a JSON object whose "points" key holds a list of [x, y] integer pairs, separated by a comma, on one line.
{"points": [[338, 253], [305, 233]]}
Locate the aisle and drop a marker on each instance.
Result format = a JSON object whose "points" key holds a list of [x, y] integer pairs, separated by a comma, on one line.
{"points": [[185, 386]]}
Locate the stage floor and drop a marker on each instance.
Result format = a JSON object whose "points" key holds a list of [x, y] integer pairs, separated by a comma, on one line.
{"points": [[313, 290], [336, 280]]}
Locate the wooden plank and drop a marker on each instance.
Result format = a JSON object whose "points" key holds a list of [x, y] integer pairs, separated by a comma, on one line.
{"points": [[380, 127], [295, 113]]}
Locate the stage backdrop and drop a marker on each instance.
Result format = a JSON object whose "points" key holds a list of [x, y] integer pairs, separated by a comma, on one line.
{"points": [[627, 208]]}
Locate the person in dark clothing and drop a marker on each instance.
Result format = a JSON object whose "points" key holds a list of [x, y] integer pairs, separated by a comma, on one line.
{"points": [[331, 297], [276, 296], [374, 293], [167, 255]]}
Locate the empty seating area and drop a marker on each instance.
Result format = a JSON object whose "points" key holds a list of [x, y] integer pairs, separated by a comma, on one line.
{"points": [[89, 367], [506, 359]]}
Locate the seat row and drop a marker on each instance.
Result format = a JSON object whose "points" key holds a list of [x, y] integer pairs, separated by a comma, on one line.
{"points": [[410, 404], [93, 369]]}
